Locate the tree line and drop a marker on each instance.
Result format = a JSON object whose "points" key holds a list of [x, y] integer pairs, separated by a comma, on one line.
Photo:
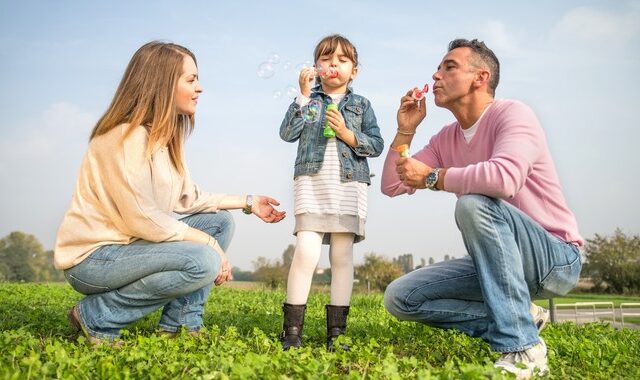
{"points": [[611, 263]]}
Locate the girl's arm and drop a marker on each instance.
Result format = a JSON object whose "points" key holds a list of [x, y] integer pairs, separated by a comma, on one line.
{"points": [[369, 140]]}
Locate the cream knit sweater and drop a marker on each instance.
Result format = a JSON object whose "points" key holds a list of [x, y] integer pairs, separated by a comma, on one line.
{"points": [[121, 196]]}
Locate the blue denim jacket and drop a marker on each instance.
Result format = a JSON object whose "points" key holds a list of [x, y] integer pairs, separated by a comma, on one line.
{"points": [[359, 118]]}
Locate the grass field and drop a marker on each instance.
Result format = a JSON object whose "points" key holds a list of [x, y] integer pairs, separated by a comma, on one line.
{"points": [[241, 342]]}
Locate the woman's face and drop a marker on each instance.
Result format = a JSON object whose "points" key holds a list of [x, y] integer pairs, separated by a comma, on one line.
{"points": [[188, 88]]}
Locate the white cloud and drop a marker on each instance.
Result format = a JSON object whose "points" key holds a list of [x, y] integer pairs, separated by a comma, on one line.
{"points": [[58, 126], [594, 26]]}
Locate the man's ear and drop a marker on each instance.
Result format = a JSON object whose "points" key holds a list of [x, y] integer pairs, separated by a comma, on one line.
{"points": [[482, 78]]}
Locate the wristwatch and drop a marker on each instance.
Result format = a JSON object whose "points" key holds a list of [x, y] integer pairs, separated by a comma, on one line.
{"points": [[247, 209], [432, 179]]}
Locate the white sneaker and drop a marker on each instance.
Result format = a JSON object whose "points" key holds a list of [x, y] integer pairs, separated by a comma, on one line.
{"points": [[525, 363], [540, 316]]}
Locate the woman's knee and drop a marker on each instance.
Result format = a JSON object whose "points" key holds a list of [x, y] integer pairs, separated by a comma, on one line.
{"points": [[203, 264]]}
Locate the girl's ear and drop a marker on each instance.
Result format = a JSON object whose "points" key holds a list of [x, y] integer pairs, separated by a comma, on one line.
{"points": [[354, 73]]}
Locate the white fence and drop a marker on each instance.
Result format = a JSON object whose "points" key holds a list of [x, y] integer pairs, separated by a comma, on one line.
{"points": [[583, 312]]}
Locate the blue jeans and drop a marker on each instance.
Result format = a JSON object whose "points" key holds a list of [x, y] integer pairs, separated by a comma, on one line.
{"points": [[487, 294], [124, 283]]}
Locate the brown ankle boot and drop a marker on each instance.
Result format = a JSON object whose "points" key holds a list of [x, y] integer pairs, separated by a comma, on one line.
{"points": [[336, 324], [291, 335]]}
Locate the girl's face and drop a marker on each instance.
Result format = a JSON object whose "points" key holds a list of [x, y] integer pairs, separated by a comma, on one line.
{"points": [[344, 67], [188, 88]]}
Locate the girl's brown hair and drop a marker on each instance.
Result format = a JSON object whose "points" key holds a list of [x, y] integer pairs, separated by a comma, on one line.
{"points": [[145, 97], [329, 44]]}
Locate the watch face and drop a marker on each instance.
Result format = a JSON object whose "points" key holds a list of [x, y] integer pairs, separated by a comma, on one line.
{"points": [[432, 178]]}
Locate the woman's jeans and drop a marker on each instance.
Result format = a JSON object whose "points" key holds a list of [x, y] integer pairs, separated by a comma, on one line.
{"points": [[488, 294], [123, 283]]}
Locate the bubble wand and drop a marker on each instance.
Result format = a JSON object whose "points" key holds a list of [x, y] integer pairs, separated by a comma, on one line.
{"points": [[418, 94], [403, 149]]}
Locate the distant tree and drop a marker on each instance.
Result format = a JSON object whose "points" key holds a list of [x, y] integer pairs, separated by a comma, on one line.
{"points": [[272, 273], [240, 275], [22, 258], [613, 262], [377, 272], [287, 256]]}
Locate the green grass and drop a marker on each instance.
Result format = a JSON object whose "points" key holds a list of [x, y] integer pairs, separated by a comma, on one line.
{"points": [[243, 325]]}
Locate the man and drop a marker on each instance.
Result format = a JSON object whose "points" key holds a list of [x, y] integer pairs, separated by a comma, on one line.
{"points": [[521, 237]]}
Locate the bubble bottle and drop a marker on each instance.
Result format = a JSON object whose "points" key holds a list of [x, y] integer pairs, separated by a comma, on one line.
{"points": [[403, 149], [328, 132]]}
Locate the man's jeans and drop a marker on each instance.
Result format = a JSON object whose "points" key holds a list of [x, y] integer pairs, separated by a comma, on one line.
{"points": [[123, 283], [488, 294]]}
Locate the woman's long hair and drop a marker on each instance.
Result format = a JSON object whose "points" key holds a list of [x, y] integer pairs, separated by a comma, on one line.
{"points": [[146, 96]]}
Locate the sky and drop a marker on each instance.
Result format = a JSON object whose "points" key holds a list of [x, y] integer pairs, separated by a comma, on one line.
{"points": [[576, 63]]}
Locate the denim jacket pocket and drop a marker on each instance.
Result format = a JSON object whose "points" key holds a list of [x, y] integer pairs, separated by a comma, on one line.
{"points": [[353, 116], [561, 279]]}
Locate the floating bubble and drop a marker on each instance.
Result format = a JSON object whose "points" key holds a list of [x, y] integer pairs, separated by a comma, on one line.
{"points": [[311, 111], [277, 94], [303, 65], [266, 70], [273, 58], [292, 92], [287, 65]]}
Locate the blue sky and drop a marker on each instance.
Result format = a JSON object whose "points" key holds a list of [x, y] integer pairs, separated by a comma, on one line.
{"points": [[574, 62]]}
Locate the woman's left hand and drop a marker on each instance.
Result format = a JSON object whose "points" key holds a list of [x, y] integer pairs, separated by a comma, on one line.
{"points": [[263, 209]]}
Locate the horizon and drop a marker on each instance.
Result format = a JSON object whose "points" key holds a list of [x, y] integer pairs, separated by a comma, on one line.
{"points": [[574, 62]]}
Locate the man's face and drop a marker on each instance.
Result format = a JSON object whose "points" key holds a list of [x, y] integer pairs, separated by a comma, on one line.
{"points": [[453, 79]]}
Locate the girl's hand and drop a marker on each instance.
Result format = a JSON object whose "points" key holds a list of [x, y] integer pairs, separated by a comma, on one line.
{"points": [[306, 79], [263, 209], [336, 122]]}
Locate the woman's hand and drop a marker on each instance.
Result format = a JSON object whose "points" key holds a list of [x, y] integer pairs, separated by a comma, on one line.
{"points": [[307, 76], [263, 208], [225, 270]]}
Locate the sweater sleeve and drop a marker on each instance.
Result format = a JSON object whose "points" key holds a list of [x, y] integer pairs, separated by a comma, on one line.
{"points": [[193, 200], [391, 184], [129, 186], [518, 138]]}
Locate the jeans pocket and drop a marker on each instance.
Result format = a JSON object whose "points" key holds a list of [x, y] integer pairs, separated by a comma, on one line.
{"points": [[561, 279], [83, 286]]}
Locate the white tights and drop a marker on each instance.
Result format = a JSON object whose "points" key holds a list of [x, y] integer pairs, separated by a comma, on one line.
{"points": [[305, 261]]}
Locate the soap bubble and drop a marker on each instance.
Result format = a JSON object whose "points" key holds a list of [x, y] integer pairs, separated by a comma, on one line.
{"points": [[303, 65], [287, 65], [277, 94], [292, 92], [266, 70], [273, 58], [311, 111]]}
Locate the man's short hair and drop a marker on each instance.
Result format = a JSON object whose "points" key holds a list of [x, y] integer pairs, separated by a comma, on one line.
{"points": [[483, 57]]}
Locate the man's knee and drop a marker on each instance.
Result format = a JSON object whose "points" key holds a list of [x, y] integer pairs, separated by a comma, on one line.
{"points": [[471, 208], [394, 299]]}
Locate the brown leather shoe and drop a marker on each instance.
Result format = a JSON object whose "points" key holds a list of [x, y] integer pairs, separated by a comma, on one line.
{"points": [[74, 319], [172, 335]]}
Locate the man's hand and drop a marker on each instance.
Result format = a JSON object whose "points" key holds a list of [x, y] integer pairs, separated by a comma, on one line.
{"points": [[412, 172], [411, 113], [263, 209]]}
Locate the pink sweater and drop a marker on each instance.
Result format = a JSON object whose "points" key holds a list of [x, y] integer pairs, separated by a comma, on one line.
{"points": [[507, 158]]}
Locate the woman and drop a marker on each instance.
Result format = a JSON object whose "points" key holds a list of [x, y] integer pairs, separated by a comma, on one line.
{"points": [[119, 243]]}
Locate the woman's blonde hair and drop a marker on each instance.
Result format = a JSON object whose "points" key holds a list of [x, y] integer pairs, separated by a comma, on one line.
{"points": [[145, 97]]}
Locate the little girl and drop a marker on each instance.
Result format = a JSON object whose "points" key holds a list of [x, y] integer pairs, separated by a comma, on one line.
{"points": [[331, 176]]}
